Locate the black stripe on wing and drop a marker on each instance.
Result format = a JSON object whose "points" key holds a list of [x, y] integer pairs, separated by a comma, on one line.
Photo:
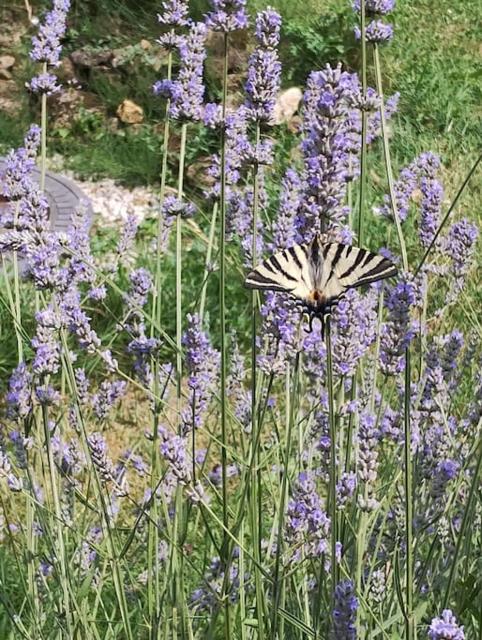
{"points": [[281, 272], [358, 267]]}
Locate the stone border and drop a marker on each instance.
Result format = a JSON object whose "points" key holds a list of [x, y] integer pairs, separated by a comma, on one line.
{"points": [[63, 196]]}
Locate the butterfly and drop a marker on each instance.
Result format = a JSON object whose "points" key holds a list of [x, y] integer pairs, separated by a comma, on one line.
{"points": [[317, 274]]}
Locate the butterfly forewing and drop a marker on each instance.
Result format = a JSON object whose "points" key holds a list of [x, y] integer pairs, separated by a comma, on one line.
{"points": [[287, 270], [358, 266]]}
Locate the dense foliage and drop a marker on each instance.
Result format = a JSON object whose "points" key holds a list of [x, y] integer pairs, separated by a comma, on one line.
{"points": [[182, 459]]}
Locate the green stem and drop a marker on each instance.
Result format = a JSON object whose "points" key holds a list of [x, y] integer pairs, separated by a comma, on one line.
{"points": [[153, 578], [222, 323], [60, 551], [279, 585], [332, 481], [255, 481], [207, 263], [388, 163], [410, 623], [363, 155]]}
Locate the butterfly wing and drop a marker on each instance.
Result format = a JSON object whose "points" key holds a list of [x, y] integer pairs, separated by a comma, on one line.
{"points": [[354, 267], [288, 270]]}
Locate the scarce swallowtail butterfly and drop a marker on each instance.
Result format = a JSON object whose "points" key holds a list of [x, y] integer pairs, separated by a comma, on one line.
{"points": [[318, 273]]}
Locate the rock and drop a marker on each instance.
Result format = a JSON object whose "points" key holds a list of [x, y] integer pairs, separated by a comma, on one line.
{"points": [[66, 71], [65, 106], [145, 44], [85, 59], [129, 112], [10, 97], [287, 104], [6, 62], [5, 74]]}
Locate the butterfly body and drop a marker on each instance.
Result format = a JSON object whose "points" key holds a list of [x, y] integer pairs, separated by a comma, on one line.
{"points": [[317, 274]]}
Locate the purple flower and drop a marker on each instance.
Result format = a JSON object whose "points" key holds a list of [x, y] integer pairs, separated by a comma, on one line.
{"points": [[239, 396], [373, 7], [108, 394], [307, 525], [78, 322], [227, 15], [44, 83], [430, 207], [187, 92], [267, 28], [173, 449], [445, 471], [396, 333], [445, 627], [213, 115], [374, 119], [284, 229], [459, 245], [202, 364], [354, 330], [19, 395], [175, 13], [174, 206], [46, 343], [344, 613], [207, 597], [281, 320], [425, 166], [128, 235], [141, 286], [46, 45], [376, 31], [81, 263], [264, 69], [98, 450], [327, 147], [367, 459], [345, 488], [16, 179]]}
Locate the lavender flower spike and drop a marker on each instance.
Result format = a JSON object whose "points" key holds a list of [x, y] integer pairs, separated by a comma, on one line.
{"points": [[175, 13], [46, 45], [344, 612], [227, 15], [187, 92], [446, 628], [264, 71]]}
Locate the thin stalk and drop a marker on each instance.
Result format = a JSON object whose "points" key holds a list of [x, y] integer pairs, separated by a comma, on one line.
{"points": [[222, 322], [207, 263], [363, 155], [388, 162], [410, 623], [255, 481], [279, 586], [153, 586], [176, 557], [332, 480], [60, 551], [43, 135]]}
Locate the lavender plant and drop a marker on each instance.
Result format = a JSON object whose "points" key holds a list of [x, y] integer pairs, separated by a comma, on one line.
{"points": [[275, 485]]}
